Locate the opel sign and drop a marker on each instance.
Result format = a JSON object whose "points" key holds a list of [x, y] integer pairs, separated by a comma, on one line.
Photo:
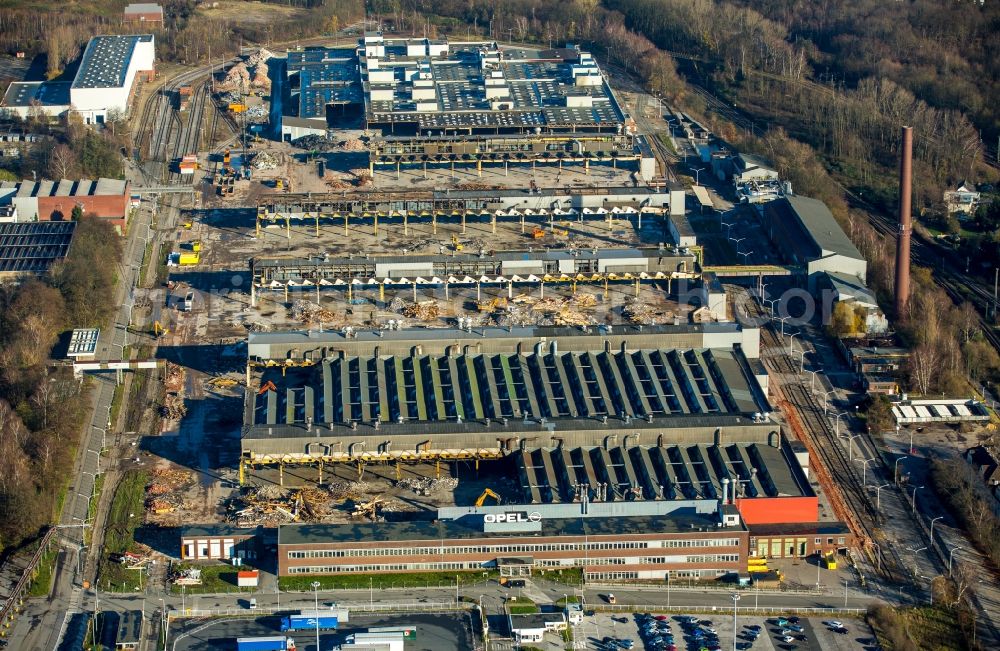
{"points": [[512, 516]]}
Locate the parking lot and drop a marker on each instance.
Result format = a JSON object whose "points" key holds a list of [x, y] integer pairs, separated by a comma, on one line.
{"points": [[656, 632], [435, 632]]}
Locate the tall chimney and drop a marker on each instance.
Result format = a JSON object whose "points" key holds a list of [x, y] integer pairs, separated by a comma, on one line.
{"points": [[905, 224]]}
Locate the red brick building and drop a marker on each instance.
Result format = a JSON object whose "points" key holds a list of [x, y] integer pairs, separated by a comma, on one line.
{"points": [[55, 200], [146, 13], [683, 544]]}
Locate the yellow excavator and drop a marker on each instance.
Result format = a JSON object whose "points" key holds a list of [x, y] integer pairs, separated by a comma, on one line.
{"points": [[455, 244], [159, 330], [487, 493]]}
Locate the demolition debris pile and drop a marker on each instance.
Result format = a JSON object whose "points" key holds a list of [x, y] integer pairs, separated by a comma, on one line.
{"points": [[427, 485], [311, 314], [526, 310], [173, 407], [641, 313]]}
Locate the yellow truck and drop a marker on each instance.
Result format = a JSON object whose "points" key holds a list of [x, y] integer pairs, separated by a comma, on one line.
{"points": [[187, 259]]}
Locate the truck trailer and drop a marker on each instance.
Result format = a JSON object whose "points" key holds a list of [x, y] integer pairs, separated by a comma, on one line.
{"points": [[306, 620], [267, 643]]}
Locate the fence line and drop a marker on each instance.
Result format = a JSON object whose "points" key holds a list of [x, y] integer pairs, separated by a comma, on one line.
{"points": [[624, 585], [443, 606], [628, 608]]}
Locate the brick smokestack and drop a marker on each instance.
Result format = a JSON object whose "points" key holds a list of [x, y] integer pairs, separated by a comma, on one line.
{"points": [[905, 224]]}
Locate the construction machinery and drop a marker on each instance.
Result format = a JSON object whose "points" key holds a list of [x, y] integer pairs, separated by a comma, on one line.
{"points": [[159, 330], [455, 244], [279, 184], [491, 305], [196, 245], [188, 225], [267, 386], [487, 493], [227, 158], [223, 382], [537, 233]]}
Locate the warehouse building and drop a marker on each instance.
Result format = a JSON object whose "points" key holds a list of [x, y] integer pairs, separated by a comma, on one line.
{"points": [[107, 78], [108, 73], [405, 395], [806, 233], [441, 104], [55, 200]]}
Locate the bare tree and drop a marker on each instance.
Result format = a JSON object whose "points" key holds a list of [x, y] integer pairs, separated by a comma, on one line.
{"points": [[924, 361], [62, 162]]}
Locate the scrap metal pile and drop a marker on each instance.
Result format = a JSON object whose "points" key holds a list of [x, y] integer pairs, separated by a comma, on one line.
{"points": [[311, 314], [271, 505], [642, 313], [173, 407], [427, 485]]}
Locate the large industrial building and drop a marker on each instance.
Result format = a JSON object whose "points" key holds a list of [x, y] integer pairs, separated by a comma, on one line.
{"points": [[105, 81], [55, 200], [486, 393], [807, 234], [436, 103]]}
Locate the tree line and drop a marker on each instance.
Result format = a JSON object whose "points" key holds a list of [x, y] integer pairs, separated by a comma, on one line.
{"points": [[41, 408]]}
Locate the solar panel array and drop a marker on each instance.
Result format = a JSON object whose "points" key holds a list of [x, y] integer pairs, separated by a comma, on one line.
{"points": [[106, 60], [32, 247]]}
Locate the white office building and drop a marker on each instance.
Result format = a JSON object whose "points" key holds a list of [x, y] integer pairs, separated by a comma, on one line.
{"points": [[108, 72]]}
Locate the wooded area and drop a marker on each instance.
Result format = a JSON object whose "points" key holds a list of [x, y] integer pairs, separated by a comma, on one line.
{"points": [[41, 410]]}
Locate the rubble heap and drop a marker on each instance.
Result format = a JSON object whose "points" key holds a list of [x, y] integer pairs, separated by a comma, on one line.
{"points": [[422, 310]]}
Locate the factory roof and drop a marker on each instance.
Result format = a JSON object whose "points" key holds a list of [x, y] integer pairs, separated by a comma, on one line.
{"points": [[470, 528], [41, 93], [819, 223], [535, 621], [464, 393], [670, 472], [143, 8], [851, 288], [800, 528], [32, 247], [106, 60], [67, 188]]}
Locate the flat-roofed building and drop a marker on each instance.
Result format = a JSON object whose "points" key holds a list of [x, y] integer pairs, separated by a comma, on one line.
{"points": [[26, 99], [684, 543], [145, 13], [108, 73]]}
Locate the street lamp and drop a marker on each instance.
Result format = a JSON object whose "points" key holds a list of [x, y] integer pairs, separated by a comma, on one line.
{"points": [[736, 598], [913, 498], [951, 554], [895, 469], [697, 172], [782, 319], [864, 469], [315, 587], [745, 254], [729, 226], [770, 302], [837, 422], [878, 496], [812, 381], [911, 441], [933, 520], [850, 446], [826, 399]]}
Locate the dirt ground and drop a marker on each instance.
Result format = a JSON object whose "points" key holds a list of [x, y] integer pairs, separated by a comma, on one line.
{"points": [[249, 12]]}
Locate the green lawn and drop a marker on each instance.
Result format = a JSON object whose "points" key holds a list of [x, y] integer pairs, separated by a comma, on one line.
{"points": [[42, 584], [523, 606], [126, 512], [927, 627], [379, 581], [568, 576], [214, 578]]}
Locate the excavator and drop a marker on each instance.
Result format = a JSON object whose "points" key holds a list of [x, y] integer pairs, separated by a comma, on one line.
{"points": [[159, 330], [455, 244], [267, 386], [488, 493]]}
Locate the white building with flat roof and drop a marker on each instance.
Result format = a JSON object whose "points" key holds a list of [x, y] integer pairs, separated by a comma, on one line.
{"points": [[108, 72]]}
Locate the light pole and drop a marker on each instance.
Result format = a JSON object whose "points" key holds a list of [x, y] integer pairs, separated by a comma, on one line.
{"points": [[913, 498], [850, 446], [791, 338], [911, 441], [837, 422], [729, 226], [736, 241], [878, 496], [697, 174], [782, 319], [933, 520], [745, 254], [951, 554], [736, 599], [315, 587], [895, 469], [770, 303], [163, 620], [864, 469], [371, 592], [812, 381], [826, 399]]}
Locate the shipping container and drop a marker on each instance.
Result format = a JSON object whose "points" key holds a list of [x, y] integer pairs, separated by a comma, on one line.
{"points": [[308, 621], [269, 643]]}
